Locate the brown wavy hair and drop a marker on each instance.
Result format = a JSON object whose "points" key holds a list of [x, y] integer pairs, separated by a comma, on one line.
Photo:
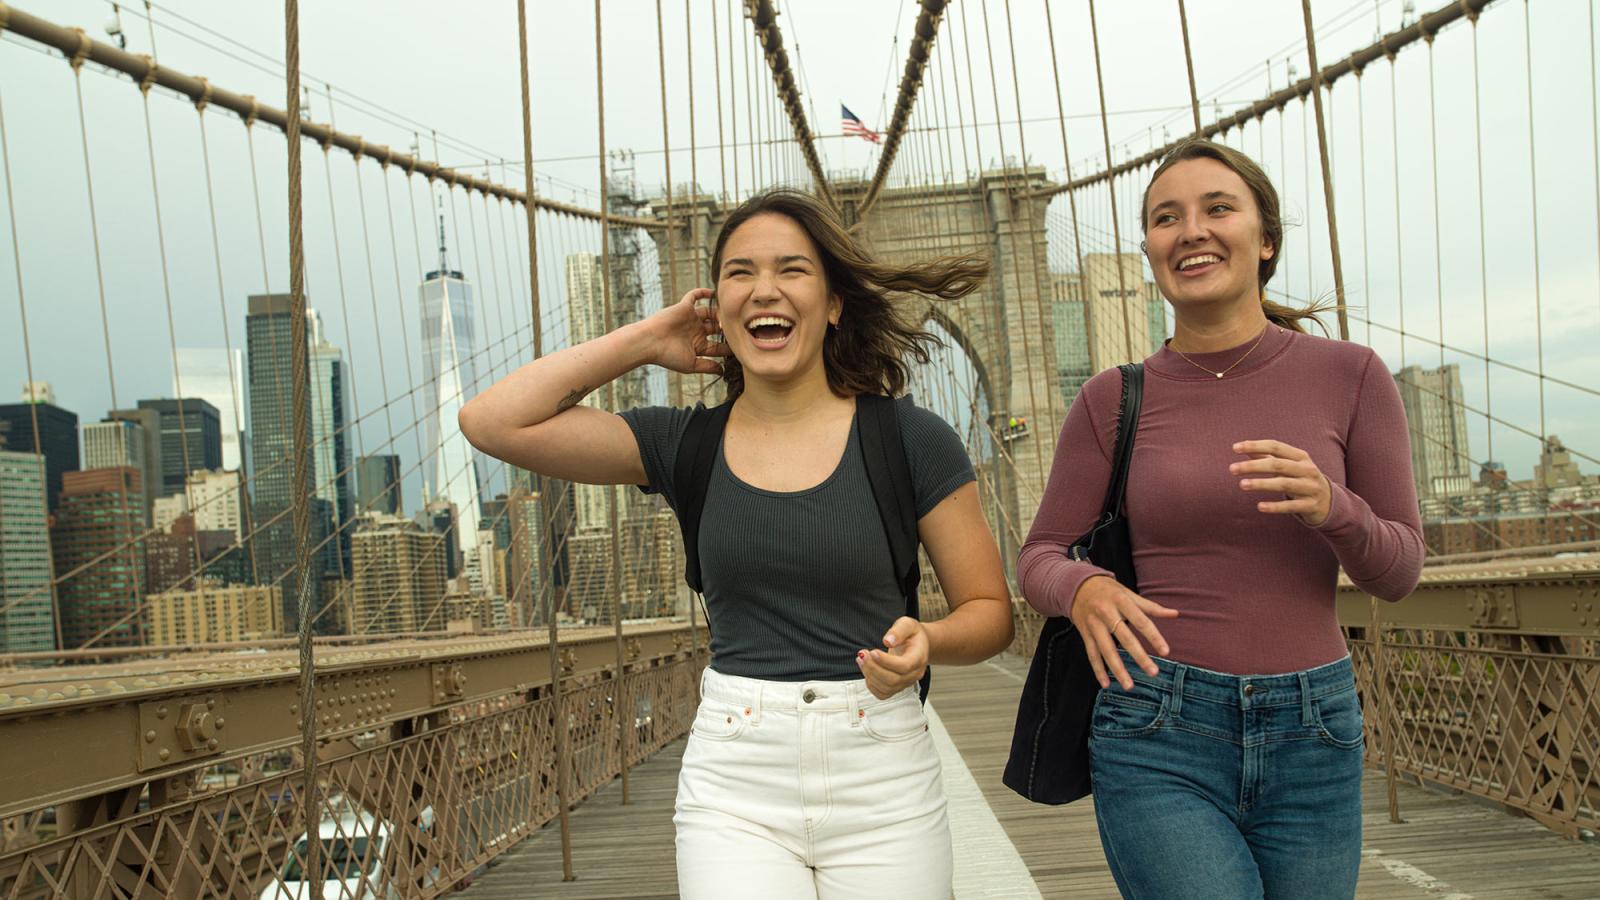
{"points": [[867, 352], [1266, 197]]}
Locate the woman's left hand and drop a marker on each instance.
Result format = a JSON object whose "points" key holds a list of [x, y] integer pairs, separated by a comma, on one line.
{"points": [[902, 662], [1278, 468]]}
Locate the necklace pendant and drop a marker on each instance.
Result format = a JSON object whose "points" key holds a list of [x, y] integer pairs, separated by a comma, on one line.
{"points": [[1220, 374]]}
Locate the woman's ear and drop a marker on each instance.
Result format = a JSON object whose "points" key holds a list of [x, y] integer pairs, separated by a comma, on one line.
{"points": [[835, 309], [1268, 250]]}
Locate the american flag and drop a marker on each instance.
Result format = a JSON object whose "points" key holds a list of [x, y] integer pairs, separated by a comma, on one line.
{"points": [[852, 125]]}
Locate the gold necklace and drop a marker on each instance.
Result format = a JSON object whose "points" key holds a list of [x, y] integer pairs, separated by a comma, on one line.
{"points": [[1236, 362]]}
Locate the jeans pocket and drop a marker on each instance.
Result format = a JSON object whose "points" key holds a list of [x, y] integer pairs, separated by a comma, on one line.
{"points": [[1119, 713], [1339, 720], [897, 720], [718, 721]]}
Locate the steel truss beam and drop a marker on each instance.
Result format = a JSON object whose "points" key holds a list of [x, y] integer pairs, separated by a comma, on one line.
{"points": [[78, 48]]}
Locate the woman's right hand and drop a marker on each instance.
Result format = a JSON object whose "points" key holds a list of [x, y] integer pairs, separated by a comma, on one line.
{"points": [[686, 334], [1104, 609]]}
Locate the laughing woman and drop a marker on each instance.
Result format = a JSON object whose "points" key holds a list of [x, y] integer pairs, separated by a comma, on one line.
{"points": [[809, 772], [1226, 759]]}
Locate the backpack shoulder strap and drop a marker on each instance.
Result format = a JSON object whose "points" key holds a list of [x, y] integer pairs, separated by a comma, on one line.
{"points": [[883, 450], [691, 474], [878, 425]]}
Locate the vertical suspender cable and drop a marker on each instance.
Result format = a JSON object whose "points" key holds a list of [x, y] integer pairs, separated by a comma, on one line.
{"points": [[1011, 221], [1066, 155], [620, 702], [1433, 164], [716, 76], [1399, 237], [1116, 229], [1188, 61], [1039, 290], [172, 334], [558, 719], [310, 804], [222, 308], [1483, 245], [696, 244], [733, 104], [1327, 175], [27, 358], [1533, 196], [1594, 104], [671, 293]]}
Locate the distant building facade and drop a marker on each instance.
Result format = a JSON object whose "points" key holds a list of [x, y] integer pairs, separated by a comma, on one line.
{"points": [[400, 578], [97, 530], [27, 607], [378, 484], [213, 613], [1441, 461], [57, 439]]}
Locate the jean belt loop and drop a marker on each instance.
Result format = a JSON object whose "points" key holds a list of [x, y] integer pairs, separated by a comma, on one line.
{"points": [[755, 706], [1175, 707], [853, 703], [1308, 715]]}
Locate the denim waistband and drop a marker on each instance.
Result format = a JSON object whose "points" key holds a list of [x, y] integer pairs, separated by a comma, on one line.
{"points": [[804, 696], [1188, 683]]}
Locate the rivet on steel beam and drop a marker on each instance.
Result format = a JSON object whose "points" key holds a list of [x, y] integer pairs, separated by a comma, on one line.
{"points": [[161, 712], [164, 754], [150, 736]]}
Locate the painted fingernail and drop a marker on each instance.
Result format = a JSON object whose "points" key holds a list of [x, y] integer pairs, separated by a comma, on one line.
{"points": [[888, 640]]}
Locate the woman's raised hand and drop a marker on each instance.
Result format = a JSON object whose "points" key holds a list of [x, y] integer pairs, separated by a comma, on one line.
{"points": [[687, 337], [1103, 610]]}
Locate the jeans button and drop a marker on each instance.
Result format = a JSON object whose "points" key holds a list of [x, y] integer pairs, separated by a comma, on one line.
{"points": [[809, 695], [1250, 690]]}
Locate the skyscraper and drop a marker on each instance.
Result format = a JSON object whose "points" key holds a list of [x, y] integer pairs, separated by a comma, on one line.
{"points": [[378, 484], [57, 438], [191, 439], [1119, 323], [218, 377], [149, 424], [99, 557], [450, 379], [27, 620], [270, 365], [1440, 459], [330, 416], [399, 582], [586, 321], [115, 443]]}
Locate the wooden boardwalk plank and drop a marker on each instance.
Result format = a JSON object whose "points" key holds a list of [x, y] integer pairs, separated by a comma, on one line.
{"points": [[1447, 846]]}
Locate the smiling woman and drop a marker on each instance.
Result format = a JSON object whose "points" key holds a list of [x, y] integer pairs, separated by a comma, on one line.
{"points": [[809, 771], [867, 350], [1265, 460]]}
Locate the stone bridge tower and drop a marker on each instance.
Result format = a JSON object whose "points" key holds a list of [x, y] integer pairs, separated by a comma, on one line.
{"points": [[1004, 328]]}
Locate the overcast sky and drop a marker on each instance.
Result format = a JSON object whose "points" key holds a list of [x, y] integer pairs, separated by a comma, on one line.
{"points": [[454, 70]]}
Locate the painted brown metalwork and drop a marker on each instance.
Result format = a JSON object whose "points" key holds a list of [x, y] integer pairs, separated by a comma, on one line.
{"points": [[764, 18], [1486, 680], [1386, 45], [910, 84], [77, 46], [461, 769]]}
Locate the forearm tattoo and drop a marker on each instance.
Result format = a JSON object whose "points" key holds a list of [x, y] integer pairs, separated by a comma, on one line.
{"points": [[573, 398]]}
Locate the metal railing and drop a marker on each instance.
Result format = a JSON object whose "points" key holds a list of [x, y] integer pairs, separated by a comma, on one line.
{"points": [[437, 758], [1485, 680]]}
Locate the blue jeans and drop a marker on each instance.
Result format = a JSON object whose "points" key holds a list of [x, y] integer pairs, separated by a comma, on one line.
{"points": [[1230, 786]]}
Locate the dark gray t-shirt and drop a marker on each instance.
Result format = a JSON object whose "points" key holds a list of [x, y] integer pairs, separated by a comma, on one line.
{"points": [[797, 582]]}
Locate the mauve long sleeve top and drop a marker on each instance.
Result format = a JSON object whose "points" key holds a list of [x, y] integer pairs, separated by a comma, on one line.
{"points": [[1254, 590]]}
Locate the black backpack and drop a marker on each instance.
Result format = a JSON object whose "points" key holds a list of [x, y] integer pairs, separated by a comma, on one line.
{"points": [[877, 427]]}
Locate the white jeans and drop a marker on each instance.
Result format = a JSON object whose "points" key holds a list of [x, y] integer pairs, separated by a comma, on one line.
{"points": [[810, 790]]}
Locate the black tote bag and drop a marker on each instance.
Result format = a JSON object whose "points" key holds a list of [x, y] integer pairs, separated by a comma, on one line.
{"points": [[1049, 760]]}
